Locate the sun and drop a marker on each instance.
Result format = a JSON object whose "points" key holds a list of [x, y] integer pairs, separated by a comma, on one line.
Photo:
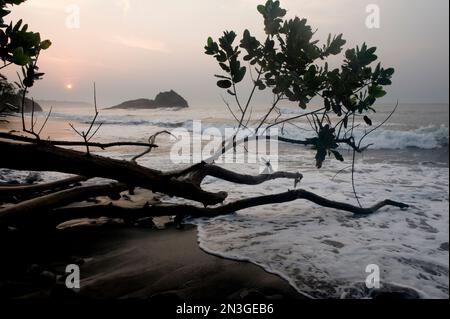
{"points": [[69, 86]]}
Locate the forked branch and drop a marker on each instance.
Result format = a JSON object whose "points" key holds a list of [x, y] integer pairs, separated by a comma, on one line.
{"points": [[61, 215]]}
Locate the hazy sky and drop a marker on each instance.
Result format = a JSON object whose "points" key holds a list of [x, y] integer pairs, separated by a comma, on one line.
{"points": [[136, 48]]}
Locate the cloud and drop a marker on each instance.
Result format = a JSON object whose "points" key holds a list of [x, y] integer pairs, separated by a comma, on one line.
{"points": [[62, 61], [143, 44]]}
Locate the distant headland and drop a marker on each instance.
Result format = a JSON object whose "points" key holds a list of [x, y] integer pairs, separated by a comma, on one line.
{"points": [[169, 99], [16, 102]]}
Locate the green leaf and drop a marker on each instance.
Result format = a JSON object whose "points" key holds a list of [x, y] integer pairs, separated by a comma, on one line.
{"points": [[302, 105], [320, 157], [377, 91], [368, 120], [345, 121], [384, 81], [225, 67], [35, 38], [261, 9], [20, 58], [17, 26], [221, 56], [224, 84], [45, 44], [380, 93], [239, 76], [389, 72]]}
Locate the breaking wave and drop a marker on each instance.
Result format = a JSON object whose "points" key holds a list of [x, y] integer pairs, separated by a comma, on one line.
{"points": [[429, 137]]}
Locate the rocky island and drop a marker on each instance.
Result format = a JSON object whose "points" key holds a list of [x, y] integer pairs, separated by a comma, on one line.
{"points": [[169, 99]]}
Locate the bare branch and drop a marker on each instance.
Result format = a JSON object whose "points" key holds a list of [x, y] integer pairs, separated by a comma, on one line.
{"points": [[382, 123], [113, 211], [274, 105], [229, 109], [151, 141], [85, 135], [250, 99], [46, 120], [295, 118], [12, 137], [197, 174]]}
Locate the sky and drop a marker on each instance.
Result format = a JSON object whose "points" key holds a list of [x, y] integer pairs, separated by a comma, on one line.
{"points": [[137, 48]]}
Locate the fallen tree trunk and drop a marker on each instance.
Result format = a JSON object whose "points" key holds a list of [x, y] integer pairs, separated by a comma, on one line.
{"points": [[61, 215], [185, 183], [21, 191], [24, 211], [44, 157]]}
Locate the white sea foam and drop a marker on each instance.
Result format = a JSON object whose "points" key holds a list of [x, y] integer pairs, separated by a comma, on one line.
{"points": [[126, 120], [429, 137], [385, 138], [324, 253]]}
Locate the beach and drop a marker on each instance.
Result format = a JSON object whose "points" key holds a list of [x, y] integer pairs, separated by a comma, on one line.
{"points": [[322, 253], [134, 264], [142, 264], [121, 262]]}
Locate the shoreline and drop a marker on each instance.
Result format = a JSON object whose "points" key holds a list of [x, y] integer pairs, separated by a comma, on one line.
{"points": [[182, 271], [139, 264]]}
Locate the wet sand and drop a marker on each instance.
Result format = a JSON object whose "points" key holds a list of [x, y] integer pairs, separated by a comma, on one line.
{"points": [[129, 264], [143, 264]]}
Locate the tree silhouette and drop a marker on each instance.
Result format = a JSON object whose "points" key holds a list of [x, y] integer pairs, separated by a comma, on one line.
{"points": [[286, 62], [293, 65]]}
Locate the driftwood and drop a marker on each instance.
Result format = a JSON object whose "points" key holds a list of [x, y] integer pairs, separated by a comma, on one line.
{"points": [[24, 209], [61, 215], [26, 191], [184, 184], [197, 173], [50, 158]]}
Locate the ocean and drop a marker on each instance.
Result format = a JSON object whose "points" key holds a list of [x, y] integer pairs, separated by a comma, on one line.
{"points": [[323, 253]]}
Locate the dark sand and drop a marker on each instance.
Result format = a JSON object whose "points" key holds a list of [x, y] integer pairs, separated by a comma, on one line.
{"points": [[144, 264], [129, 263]]}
